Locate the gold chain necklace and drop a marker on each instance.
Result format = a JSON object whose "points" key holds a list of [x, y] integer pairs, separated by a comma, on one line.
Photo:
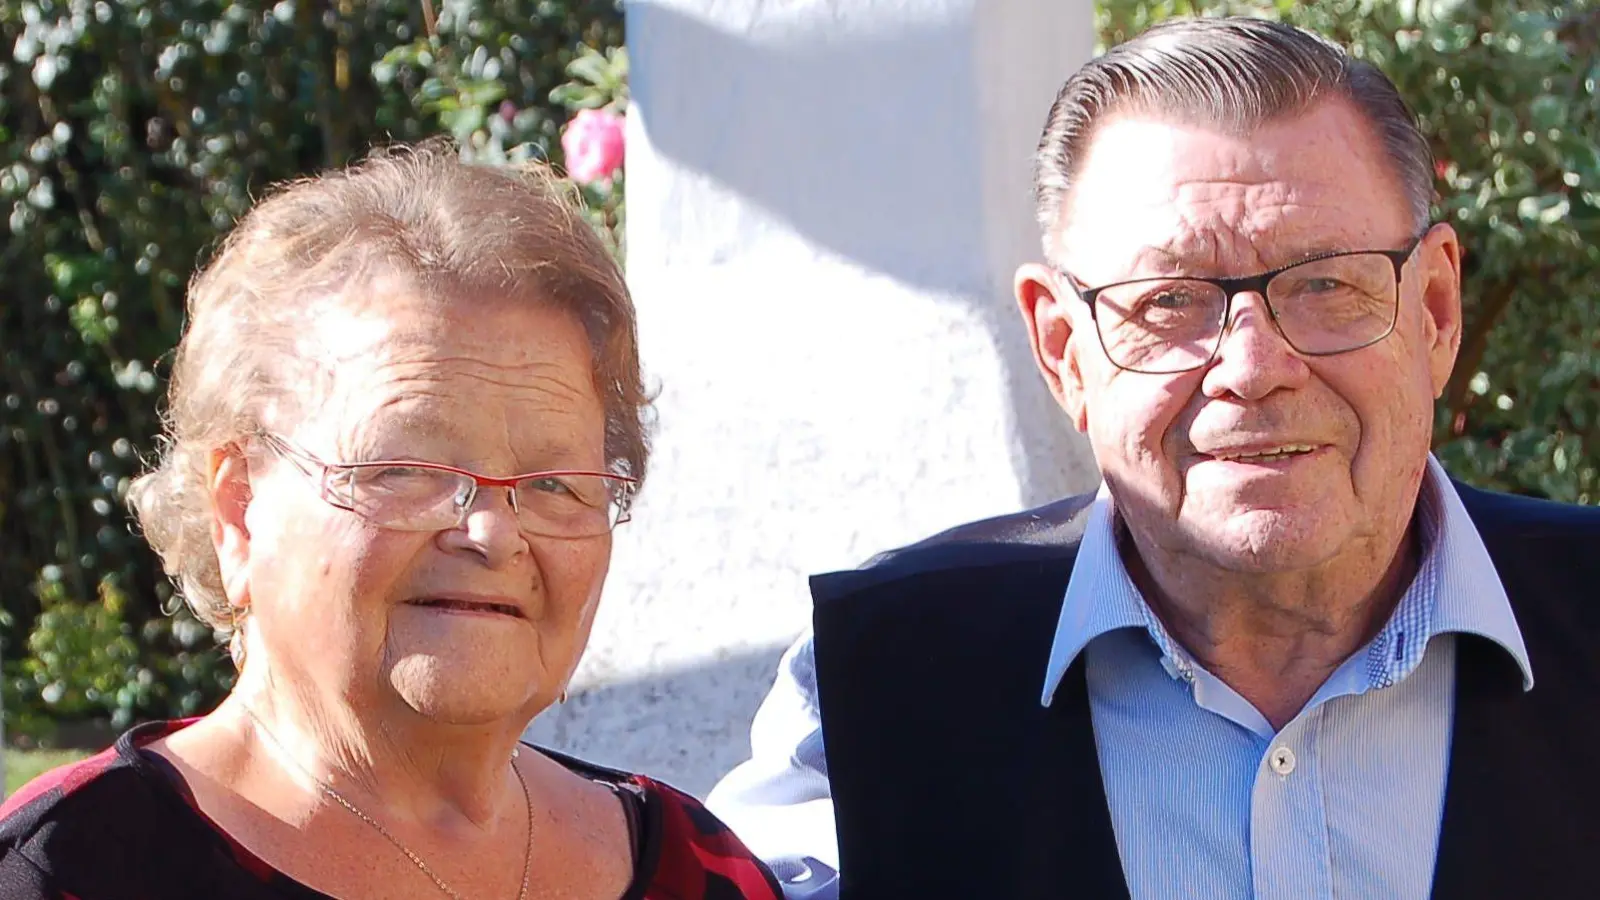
{"points": [[527, 856]]}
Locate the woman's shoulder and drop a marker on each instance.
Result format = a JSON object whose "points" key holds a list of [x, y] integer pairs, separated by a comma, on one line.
{"points": [[55, 830], [86, 788], [701, 856], [685, 852], [61, 822]]}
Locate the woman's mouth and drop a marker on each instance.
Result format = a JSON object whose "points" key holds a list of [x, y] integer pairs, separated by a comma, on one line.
{"points": [[470, 606]]}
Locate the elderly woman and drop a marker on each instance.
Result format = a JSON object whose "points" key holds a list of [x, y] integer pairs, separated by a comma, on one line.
{"points": [[405, 417]]}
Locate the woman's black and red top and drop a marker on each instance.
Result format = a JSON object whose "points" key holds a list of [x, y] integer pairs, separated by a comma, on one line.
{"points": [[123, 826]]}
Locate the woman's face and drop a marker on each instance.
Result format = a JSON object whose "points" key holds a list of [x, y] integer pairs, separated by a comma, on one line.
{"points": [[470, 625]]}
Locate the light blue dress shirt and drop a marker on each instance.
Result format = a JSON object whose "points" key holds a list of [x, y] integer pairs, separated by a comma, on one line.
{"points": [[1206, 799], [1345, 801]]}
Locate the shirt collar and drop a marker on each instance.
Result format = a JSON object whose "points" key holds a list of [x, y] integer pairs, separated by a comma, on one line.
{"points": [[1456, 591], [1471, 599]]}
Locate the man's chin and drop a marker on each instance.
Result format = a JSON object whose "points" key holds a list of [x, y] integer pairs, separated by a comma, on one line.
{"points": [[1265, 540]]}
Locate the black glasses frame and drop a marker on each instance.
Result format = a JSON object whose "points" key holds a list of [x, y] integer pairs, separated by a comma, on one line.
{"points": [[1257, 284]]}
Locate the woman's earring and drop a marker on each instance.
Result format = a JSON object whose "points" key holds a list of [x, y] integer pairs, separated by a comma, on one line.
{"points": [[563, 697], [236, 639]]}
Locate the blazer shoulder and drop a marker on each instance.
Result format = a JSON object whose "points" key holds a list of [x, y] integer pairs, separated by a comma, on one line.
{"points": [[1514, 515], [1045, 534]]}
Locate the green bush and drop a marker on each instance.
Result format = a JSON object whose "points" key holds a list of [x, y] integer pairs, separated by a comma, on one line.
{"points": [[1507, 95], [135, 132]]}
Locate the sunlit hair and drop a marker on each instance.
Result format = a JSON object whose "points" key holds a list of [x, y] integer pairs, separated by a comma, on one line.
{"points": [[1233, 74], [417, 212]]}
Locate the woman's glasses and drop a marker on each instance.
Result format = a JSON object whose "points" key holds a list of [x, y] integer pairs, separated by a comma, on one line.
{"points": [[419, 496]]}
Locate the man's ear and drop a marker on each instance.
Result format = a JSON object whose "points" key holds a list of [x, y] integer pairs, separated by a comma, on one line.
{"points": [[228, 483], [1046, 303], [1439, 258]]}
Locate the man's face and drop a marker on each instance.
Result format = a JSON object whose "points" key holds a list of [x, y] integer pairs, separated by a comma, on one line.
{"points": [[1156, 199]]}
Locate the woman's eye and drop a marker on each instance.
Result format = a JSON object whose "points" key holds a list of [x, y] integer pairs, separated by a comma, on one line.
{"points": [[549, 485], [398, 474], [402, 479]]}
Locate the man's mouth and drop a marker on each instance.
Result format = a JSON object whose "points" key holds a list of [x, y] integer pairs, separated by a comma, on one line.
{"points": [[1266, 454], [456, 604]]}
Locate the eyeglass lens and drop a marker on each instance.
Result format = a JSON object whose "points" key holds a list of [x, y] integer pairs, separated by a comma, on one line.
{"points": [[423, 499], [1321, 306]]}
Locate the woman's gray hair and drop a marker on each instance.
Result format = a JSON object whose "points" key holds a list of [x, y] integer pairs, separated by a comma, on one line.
{"points": [[1235, 74], [465, 230]]}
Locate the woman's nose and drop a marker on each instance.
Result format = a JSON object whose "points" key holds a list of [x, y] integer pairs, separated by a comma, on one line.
{"points": [[490, 528]]}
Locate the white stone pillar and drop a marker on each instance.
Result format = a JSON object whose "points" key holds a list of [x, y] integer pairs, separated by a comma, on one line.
{"points": [[826, 202]]}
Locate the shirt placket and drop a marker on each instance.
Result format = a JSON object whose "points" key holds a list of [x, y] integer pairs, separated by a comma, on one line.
{"points": [[1288, 817]]}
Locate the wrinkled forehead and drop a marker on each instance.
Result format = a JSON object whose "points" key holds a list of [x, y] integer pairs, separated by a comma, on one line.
{"points": [[1153, 196], [374, 342], [397, 315], [369, 317]]}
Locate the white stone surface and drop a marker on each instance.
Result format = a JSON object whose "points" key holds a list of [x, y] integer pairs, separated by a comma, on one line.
{"points": [[826, 202]]}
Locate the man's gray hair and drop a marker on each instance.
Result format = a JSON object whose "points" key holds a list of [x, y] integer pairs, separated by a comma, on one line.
{"points": [[1235, 74]]}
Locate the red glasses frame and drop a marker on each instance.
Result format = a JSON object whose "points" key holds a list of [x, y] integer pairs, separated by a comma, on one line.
{"points": [[303, 460]]}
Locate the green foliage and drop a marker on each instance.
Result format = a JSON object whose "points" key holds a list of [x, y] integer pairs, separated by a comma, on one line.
{"points": [[132, 134], [600, 80], [1507, 96], [84, 662]]}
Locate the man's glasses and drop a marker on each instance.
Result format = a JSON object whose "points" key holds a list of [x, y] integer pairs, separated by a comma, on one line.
{"points": [[1322, 306], [419, 496]]}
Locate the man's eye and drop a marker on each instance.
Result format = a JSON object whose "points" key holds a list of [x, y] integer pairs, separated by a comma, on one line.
{"points": [[1322, 285], [1169, 300]]}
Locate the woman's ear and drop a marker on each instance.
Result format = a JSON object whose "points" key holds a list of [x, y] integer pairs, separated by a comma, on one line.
{"points": [[229, 487], [1046, 313]]}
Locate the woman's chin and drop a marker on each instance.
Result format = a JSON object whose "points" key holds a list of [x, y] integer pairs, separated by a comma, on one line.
{"points": [[457, 692]]}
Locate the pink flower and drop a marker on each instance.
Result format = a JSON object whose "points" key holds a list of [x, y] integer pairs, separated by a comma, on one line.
{"points": [[592, 142]]}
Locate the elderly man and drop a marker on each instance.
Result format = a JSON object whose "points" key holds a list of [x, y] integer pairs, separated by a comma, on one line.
{"points": [[1280, 654]]}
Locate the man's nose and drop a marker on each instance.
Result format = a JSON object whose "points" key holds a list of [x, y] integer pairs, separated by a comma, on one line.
{"points": [[1254, 359]]}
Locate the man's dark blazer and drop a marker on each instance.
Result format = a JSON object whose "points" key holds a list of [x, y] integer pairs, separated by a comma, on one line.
{"points": [[951, 780]]}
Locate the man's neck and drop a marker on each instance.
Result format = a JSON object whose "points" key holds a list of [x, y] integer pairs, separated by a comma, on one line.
{"points": [[1274, 638]]}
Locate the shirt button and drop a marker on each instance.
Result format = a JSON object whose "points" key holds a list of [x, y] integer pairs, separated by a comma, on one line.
{"points": [[1281, 759]]}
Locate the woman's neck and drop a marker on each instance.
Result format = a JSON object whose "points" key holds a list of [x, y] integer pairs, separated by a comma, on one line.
{"points": [[440, 776]]}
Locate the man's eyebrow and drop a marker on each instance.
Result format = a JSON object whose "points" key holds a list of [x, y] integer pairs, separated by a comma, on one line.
{"points": [[1323, 248], [1148, 256], [1161, 260], [1155, 254], [1125, 274], [1147, 261]]}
